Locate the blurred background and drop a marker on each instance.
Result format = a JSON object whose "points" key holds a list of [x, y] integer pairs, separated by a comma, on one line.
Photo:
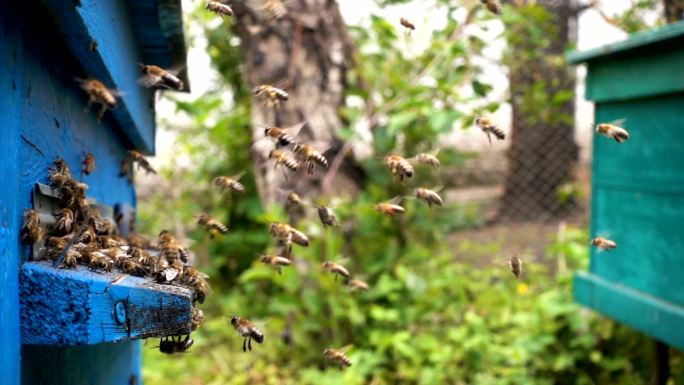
{"points": [[443, 306]]}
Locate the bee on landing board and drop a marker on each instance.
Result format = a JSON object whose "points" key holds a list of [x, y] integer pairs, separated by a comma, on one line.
{"points": [[407, 24], [336, 269], [338, 356], [31, 232], [272, 96], [516, 265], [494, 6], [88, 164], [490, 128], [311, 155], [603, 243], [157, 77], [65, 221], [612, 131], [219, 8], [275, 261], [248, 331], [98, 93], [399, 166]]}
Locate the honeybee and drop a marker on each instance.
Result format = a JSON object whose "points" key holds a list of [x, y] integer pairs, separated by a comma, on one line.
{"points": [[166, 275], [197, 318], [65, 221], [275, 8], [129, 266], [98, 94], [494, 6], [336, 269], [275, 261], [212, 224], [247, 330], [357, 284], [272, 95], [338, 356], [55, 246], [31, 232], [153, 76], [612, 131], [489, 128], [175, 344], [407, 24], [70, 260], [429, 160], [284, 158], [288, 234], [133, 157], [283, 136], [169, 248], [390, 208], [603, 243], [197, 280], [428, 196], [327, 216], [100, 261], [293, 201], [230, 183], [138, 241], [311, 157], [219, 8], [88, 164], [399, 166], [516, 265]]}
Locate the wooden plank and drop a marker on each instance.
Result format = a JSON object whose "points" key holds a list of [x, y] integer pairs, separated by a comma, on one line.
{"points": [[82, 307], [10, 214], [651, 315], [102, 364], [114, 62]]}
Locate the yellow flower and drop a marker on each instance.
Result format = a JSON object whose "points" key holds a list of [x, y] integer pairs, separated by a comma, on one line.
{"points": [[522, 288]]}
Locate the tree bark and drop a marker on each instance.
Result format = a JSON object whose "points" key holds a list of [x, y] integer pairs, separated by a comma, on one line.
{"points": [[543, 150], [305, 52]]}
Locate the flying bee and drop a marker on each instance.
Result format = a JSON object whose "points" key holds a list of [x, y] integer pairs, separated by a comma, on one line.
{"points": [[390, 208], [516, 265], [311, 156], [197, 318], [288, 234], [230, 183], [275, 261], [88, 164], [275, 8], [273, 96], [284, 158], [219, 8], [283, 136], [31, 232], [157, 77], [247, 330], [407, 24], [429, 160], [494, 6], [65, 221], [357, 284], [212, 225], [603, 243], [132, 158], [327, 216], [490, 128], [338, 356], [336, 269], [98, 94], [399, 166], [293, 201], [612, 131], [431, 197]]}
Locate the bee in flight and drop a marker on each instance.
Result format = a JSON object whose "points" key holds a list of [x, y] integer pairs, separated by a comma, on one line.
{"points": [[490, 128], [399, 166], [336, 269], [429, 160], [612, 131], [293, 201], [212, 225], [132, 158], [153, 76], [407, 24], [311, 155], [275, 261], [603, 243], [516, 265], [31, 232], [284, 158], [98, 93], [390, 208], [286, 235], [275, 8], [357, 284], [230, 183], [219, 8], [273, 96], [283, 136], [247, 330], [494, 6], [88, 164], [431, 197], [338, 356]]}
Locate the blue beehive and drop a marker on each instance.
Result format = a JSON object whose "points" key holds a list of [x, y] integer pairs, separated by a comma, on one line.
{"points": [[75, 326]]}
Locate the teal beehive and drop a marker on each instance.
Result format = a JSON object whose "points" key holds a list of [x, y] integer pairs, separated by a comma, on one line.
{"points": [[638, 186]]}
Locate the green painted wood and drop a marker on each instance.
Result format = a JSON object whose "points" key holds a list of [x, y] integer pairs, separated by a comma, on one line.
{"points": [[664, 34], [648, 314]]}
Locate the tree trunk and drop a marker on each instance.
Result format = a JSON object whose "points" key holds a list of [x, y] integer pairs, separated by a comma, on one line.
{"points": [[674, 10], [305, 52], [543, 150]]}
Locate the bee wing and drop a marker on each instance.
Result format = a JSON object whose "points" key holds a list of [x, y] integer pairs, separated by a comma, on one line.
{"points": [[150, 80], [619, 122], [320, 145], [294, 129], [262, 146], [396, 200], [237, 176], [345, 348]]}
